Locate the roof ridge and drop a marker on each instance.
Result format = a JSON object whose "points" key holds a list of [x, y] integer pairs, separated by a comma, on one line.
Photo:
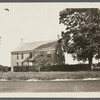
{"points": [[40, 41], [26, 46]]}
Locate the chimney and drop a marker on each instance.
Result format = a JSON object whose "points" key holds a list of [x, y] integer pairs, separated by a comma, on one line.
{"points": [[21, 41]]}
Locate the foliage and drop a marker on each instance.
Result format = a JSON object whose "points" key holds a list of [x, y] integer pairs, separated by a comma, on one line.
{"points": [[25, 68], [76, 67], [82, 35]]}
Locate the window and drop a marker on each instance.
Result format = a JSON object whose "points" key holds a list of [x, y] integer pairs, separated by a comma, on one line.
{"points": [[48, 54], [30, 55], [17, 63], [22, 56], [22, 63], [17, 56], [33, 61]]}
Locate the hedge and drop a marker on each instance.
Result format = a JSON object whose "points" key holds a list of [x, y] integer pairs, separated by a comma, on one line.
{"points": [[77, 67], [25, 68]]}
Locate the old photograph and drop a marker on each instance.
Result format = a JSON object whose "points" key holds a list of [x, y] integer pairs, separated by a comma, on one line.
{"points": [[49, 47]]}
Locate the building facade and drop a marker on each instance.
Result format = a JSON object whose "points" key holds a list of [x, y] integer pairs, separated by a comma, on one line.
{"points": [[38, 54]]}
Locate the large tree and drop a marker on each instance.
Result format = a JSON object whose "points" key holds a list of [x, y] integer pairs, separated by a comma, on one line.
{"points": [[82, 35]]}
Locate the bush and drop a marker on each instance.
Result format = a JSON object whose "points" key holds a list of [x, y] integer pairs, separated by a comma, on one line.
{"points": [[77, 67], [25, 68]]}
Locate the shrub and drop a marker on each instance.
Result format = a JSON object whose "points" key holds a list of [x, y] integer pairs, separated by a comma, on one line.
{"points": [[77, 67], [25, 68]]}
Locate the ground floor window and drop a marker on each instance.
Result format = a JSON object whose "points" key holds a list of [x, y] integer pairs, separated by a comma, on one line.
{"points": [[22, 56], [30, 55], [22, 63]]}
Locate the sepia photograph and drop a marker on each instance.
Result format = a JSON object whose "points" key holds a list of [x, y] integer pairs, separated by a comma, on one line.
{"points": [[49, 47]]}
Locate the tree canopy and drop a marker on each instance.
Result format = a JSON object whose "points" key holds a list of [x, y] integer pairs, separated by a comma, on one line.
{"points": [[82, 35]]}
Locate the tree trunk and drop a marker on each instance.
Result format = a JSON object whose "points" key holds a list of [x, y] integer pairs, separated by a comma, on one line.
{"points": [[90, 63]]}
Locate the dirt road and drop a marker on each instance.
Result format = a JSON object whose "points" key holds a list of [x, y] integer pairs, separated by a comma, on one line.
{"points": [[50, 86]]}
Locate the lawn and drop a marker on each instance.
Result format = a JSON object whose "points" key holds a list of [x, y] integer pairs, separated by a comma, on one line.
{"points": [[49, 75]]}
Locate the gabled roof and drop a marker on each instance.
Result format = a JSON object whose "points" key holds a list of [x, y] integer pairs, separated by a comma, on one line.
{"points": [[34, 46], [47, 46]]}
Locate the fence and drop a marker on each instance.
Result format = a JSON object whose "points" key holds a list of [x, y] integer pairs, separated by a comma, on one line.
{"points": [[77, 67]]}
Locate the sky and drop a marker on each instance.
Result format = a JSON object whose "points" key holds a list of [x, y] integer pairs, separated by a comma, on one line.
{"points": [[31, 22]]}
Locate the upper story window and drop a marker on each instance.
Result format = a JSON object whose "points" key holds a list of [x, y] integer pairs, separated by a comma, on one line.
{"points": [[48, 54], [17, 56], [22, 56], [41, 55], [17, 64], [33, 61], [30, 55]]}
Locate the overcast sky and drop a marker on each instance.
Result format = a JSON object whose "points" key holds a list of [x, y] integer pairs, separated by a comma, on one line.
{"points": [[31, 22]]}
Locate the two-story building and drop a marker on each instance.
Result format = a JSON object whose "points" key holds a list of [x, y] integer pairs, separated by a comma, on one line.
{"points": [[37, 54]]}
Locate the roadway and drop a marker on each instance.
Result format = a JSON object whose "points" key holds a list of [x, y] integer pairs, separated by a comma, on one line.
{"points": [[50, 86]]}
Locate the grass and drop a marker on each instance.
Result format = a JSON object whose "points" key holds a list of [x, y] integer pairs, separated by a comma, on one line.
{"points": [[49, 75]]}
